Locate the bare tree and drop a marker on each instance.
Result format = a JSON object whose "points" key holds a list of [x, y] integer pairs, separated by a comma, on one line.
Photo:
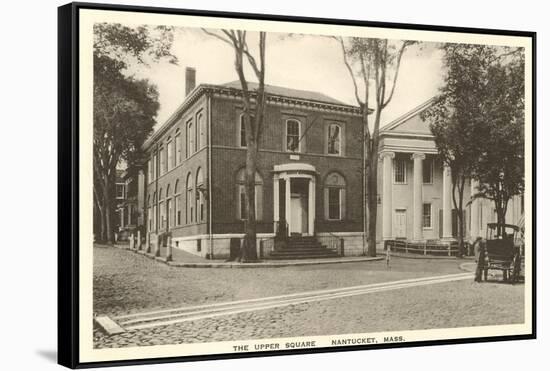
{"points": [[253, 114], [373, 65]]}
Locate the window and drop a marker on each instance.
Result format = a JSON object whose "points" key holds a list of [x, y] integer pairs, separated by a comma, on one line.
{"points": [[201, 126], [169, 213], [399, 171], [155, 221], [162, 159], [242, 131], [177, 141], [190, 138], [161, 211], [334, 203], [427, 215], [120, 191], [293, 135], [169, 221], [190, 203], [177, 204], [334, 139], [150, 218], [241, 196], [155, 173], [427, 171], [170, 151], [335, 197], [200, 196], [149, 171]]}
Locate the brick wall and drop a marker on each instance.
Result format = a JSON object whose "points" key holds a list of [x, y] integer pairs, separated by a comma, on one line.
{"points": [[228, 158]]}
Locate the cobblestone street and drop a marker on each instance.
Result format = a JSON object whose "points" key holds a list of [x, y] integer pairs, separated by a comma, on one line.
{"points": [[126, 283]]}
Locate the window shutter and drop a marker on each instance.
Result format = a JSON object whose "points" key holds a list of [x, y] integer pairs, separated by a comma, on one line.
{"points": [[343, 203], [326, 202]]}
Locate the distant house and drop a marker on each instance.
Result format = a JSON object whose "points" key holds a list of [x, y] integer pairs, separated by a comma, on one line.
{"points": [[309, 175], [126, 197]]}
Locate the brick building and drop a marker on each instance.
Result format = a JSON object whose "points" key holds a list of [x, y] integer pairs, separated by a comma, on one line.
{"points": [[309, 174]]}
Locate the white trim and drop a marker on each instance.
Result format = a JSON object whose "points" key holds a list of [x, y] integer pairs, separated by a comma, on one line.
{"points": [[294, 166]]}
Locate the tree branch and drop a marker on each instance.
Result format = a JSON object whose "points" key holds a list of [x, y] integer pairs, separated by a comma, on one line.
{"points": [[350, 70], [397, 64]]}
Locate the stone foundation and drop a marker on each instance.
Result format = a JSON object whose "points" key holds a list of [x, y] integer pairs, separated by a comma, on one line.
{"points": [[218, 246]]}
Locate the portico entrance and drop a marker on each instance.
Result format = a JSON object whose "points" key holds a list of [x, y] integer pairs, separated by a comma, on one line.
{"points": [[294, 198]]}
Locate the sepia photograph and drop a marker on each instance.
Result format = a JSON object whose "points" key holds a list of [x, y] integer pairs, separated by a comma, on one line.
{"points": [[258, 185]]}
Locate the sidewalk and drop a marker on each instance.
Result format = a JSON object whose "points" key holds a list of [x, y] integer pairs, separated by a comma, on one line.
{"points": [[184, 259]]}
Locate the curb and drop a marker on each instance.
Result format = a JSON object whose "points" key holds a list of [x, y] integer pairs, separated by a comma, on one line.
{"points": [[269, 264], [248, 265]]}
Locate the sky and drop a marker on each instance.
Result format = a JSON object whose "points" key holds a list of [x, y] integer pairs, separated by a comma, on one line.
{"points": [[305, 62]]}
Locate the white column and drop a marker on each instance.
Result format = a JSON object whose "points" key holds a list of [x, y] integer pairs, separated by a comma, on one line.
{"points": [[311, 207], [474, 211], [417, 195], [287, 202], [275, 201], [387, 194], [447, 203]]}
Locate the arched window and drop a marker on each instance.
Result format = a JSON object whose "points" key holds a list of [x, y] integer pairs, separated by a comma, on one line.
{"points": [[335, 197], [293, 134], [190, 203], [200, 196], [241, 198], [169, 213], [177, 204], [201, 130]]}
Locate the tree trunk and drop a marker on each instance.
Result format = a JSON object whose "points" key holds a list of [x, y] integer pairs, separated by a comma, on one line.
{"points": [[108, 209], [248, 250], [372, 192]]}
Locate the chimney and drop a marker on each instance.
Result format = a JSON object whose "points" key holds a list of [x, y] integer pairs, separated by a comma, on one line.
{"points": [[189, 80]]}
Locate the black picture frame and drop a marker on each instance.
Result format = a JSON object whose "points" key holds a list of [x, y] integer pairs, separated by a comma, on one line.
{"points": [[69, 192]]}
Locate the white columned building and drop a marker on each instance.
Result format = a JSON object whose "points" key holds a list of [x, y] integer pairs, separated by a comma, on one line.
{"points": [[387, 158], [447, 204], [418, 159]]}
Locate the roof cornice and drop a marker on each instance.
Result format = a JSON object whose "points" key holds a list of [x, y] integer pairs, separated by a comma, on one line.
{"points": [[237, 93]]}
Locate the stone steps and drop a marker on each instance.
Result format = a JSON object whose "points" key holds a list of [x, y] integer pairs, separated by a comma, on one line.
{"points": [[306, 247]]}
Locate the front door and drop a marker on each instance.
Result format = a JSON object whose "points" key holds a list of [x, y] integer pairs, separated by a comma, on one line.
{"points": [[296, 214], [400, 224]]}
